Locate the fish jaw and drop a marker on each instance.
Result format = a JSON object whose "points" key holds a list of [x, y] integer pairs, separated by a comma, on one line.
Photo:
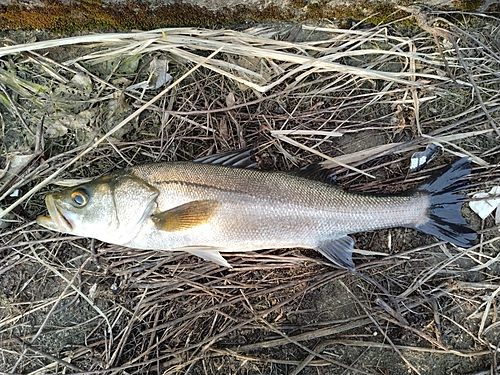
{"points": [[56, 220]]}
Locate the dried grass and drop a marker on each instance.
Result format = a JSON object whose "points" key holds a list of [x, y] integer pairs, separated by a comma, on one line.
{"points": [[360, 100]]}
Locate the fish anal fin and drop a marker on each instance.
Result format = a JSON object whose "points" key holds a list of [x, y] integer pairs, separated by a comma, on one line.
{"points": [[211, 254], [338, 251], [186, 216]]}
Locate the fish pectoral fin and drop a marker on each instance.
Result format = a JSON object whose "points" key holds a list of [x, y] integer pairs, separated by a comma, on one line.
{"points": [[186, 216], [338, 251], [211, 254]]}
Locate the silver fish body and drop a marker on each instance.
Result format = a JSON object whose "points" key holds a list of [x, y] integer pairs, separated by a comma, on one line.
{"points": [[206, 209], [261, 209]]}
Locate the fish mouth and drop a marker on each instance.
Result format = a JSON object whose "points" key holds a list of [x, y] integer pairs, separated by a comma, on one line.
{"points": [[56, 219]]}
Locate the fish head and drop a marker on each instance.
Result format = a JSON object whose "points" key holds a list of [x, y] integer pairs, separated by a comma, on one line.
{"points": [[110, 208]]}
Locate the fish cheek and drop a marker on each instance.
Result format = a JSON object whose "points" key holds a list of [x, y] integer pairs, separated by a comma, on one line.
{"points": [[134, 199], [94, 219]]}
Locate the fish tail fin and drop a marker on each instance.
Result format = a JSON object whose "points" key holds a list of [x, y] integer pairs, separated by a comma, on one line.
{"points": [[445, 217]]}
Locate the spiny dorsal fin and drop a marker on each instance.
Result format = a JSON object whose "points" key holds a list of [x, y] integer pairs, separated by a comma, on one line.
{"points": [[236, 158], [186, 216], [246, 159]]}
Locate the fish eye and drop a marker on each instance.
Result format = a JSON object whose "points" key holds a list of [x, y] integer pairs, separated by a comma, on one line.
{"points": [[79, 198]]}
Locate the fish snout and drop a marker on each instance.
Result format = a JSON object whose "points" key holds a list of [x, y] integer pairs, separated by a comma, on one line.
{"points": [[56, 220]]}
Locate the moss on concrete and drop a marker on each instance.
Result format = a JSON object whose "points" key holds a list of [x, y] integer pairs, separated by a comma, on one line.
{"points": [[467, 5], [54, 15], [92, 14]]}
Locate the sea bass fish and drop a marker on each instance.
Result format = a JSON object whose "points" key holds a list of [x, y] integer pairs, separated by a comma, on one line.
{"points": [[206, 208]]}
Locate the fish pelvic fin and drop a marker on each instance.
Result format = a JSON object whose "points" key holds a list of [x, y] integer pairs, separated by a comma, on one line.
{"points": [[186, 216], [338, 251], [445, 219], [211, 254]]}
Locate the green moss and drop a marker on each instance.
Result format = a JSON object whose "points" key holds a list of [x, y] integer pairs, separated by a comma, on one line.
{"points": [[317, 10], [467, 5], [93, 14], [298, 4]]}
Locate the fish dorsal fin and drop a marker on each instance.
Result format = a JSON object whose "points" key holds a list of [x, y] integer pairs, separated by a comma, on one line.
{"points": [[211, 254], [236, 158], [338, 251], [186, 216], [316, 171]]}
